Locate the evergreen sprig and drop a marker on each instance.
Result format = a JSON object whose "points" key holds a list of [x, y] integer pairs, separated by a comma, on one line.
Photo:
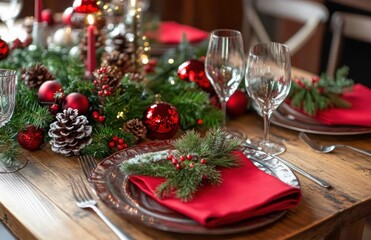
{"points": [[313, 95], [184, 175]]}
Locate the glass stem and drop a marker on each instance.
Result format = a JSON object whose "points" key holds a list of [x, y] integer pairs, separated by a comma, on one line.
{"points": [[266, 119], [224, 109]]}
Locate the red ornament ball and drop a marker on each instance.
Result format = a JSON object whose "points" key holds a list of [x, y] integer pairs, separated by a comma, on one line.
{"points": [[237, 104], [4, 49], [67, 16], [162, 120], [31, 138], [194, 71], [47, 15], [77, 101], [85, 6], [48, 90]]}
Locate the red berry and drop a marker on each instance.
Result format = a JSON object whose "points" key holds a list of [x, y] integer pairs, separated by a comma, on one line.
{"points": [[200, 122], [101, 119], [174, 161], [95, 114], [191, 165], [189, 157], [120, 147], [121, 141], [203, 161], [111, 144], [54, 108], [115, 138], [178, 167], [125, 145], [182, 158], [170, 157], [315, 79]]}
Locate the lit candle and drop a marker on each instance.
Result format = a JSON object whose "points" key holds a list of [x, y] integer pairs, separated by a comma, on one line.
{"points": [[91, 61], [38, 9]]}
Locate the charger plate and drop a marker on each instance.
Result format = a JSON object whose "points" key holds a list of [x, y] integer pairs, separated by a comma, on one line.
{"points": [[287, 117], [119, 194]]}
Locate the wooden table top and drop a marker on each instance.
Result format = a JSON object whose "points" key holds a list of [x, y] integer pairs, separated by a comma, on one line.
{"points": [[37, 202]]}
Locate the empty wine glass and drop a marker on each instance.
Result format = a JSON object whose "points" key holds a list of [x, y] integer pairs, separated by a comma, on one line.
{"points": [[224, 67], [8, 79], [9, 10], [268, 81]]}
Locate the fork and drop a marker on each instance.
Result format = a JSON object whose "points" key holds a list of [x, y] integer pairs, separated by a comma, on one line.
{"points": [[84, 200], [87, 164], [328, 148]]}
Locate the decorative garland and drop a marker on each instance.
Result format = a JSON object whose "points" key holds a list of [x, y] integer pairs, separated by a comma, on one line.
{"points": [[320, 93], [192, 162], [127, 102]]}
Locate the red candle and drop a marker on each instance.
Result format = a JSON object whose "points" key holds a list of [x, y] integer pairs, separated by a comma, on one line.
{"points": [[38, 10], [91, 61]]}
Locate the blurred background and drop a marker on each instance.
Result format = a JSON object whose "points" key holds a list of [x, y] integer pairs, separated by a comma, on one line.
{"points": [[211, 14]]}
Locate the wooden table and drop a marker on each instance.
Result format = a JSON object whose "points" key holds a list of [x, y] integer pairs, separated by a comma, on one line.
{"points": [[37, 202]]}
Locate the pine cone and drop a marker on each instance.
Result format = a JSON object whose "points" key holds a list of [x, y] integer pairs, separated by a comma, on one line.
{"points": [[121, 61], [136, 127], [70, 133], [36, 75], [118, 42]]}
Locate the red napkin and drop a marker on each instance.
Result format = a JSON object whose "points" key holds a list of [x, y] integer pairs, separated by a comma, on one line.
{"points": [[172, 33], [246, 192], [359, 114]]}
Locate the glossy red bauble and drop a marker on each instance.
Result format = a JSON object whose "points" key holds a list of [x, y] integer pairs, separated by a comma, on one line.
{"points": [[162, 121], [48, 89], [4, 49], [67, 16], [85, 6], [194, 71], [77, 101], [31, 138], [237, 104], [47, 15]]}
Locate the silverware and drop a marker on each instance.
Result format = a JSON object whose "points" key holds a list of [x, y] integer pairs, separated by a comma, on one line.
{"points": [[328, 148], [315, 179], [87, 164], [84, 200]]}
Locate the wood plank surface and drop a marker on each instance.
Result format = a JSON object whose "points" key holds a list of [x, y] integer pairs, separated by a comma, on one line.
{"points": [[37, 202]]}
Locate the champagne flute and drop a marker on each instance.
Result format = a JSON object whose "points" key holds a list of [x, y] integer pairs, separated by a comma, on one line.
{"points": [[224, 67], [9, 10], [268, 81]]}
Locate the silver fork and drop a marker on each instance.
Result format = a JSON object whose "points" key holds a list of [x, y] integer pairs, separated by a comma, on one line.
{"points": [[87, 164], [328, 148], [84, 200]]}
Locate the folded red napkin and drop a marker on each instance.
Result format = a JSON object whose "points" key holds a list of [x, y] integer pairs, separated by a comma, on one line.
{"points": [[246, 192], [359, 114], [172, 33]]}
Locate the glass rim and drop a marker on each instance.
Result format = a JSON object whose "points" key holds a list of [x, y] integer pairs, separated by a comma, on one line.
{"points": [[7, 72], [228, 33]]}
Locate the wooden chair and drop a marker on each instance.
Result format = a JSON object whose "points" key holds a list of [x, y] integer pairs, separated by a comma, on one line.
{"points": [[310, 14], [349, 25]]}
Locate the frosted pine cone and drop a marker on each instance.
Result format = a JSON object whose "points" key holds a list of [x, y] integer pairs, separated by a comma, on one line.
{"points": [[136, 127], [36, 75], [70, 133]]}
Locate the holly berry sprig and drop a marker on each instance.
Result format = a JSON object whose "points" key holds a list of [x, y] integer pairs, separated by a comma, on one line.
{"points": [[117, 143], [194, 161], [320, 93]]}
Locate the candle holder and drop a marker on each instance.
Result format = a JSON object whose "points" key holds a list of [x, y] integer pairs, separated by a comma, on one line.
{"points": [[39, 34]]}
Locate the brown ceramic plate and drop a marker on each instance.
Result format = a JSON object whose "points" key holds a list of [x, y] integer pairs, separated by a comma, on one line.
{"points": [[287, 117], [114, 189]]}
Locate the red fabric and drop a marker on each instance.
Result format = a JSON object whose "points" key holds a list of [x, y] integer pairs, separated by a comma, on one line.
{"points": [[246, 192], [172, 33], [359, 114]]}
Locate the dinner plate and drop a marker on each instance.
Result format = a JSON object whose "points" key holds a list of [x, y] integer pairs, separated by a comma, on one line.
{"points": [[118, 193], [287, 117]]}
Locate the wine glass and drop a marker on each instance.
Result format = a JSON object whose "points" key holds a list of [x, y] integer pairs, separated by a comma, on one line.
{"points": [[224, 67], [9, 10], [8, 79], [268, 81]]}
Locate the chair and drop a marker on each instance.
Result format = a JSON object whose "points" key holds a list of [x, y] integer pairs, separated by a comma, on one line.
{"points": [[350, 25], [310, 14]]}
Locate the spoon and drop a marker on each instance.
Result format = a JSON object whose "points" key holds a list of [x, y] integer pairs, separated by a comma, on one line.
{"points": [[328, 148]]}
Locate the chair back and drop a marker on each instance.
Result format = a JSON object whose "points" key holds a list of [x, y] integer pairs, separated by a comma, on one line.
{"points": [[349, 25], [310, 14]]}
